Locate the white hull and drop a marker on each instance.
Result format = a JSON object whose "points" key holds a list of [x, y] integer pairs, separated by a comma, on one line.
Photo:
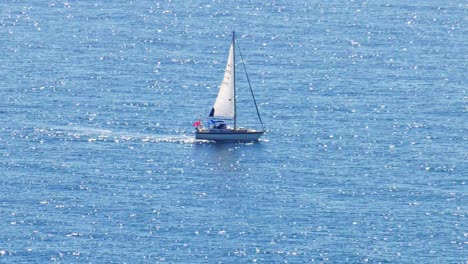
{"points": [[228, 134]]}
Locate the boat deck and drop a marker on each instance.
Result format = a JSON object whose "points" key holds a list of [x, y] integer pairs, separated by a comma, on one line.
{"points": [[228, 134]]}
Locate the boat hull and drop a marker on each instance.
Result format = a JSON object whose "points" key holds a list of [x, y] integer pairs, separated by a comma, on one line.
{"points": [[228, 134]]}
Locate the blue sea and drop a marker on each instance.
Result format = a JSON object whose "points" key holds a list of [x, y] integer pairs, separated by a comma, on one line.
{"points": [[364, 159]]}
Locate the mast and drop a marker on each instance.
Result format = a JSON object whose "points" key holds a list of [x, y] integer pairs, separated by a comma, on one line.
{"points": [[234, 74]]}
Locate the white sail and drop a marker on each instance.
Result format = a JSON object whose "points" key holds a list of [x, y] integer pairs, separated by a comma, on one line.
{"points": [[224, 105]]}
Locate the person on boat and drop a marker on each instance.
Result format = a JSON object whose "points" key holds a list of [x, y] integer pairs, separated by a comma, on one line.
{"points": [[220, 125]]}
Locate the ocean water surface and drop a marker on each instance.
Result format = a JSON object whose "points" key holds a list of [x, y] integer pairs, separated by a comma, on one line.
{"points": [[364, 160]]}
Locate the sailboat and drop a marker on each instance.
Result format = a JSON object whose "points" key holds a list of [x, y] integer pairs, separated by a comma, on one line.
{"points": [[224, 109]]}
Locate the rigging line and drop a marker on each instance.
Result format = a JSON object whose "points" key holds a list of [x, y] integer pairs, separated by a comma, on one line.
{"points": [[250, 86]]}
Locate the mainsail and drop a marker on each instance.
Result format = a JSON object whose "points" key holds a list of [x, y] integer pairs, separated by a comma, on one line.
{"points": [[224, 106]]}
